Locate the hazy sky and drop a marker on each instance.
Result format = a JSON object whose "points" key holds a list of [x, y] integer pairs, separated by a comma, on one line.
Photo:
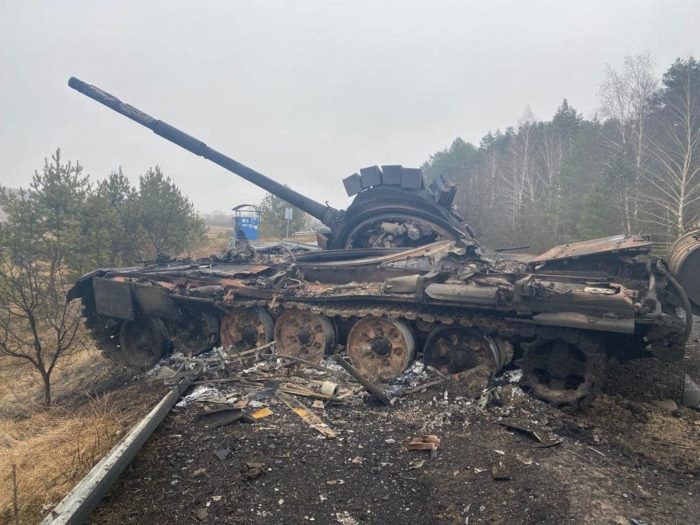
{"points": [[306, 92]]}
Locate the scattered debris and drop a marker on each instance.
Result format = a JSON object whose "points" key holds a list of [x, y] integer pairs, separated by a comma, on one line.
{"points": [[199, 472], [224, 416], [494, 449], [512, 423], [427, 442], [252, 470], [526, 428], [344, 518], [263, 412], [416, 464], [595, 450], [222, 453], [500, 472], [319, 390], [203, 393], [309, 417], [201, 514], [424, 386], [334, 482], [525, 460], [372, 388]]}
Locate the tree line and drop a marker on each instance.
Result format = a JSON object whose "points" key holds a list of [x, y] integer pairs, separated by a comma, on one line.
{"points": [[633, 168], [63, 225]]}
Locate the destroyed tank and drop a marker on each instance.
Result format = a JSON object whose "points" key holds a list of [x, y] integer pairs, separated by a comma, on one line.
{"points": [[559, 316]]}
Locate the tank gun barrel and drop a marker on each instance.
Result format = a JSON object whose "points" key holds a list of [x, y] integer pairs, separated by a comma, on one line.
{"points": [[326, 214]]}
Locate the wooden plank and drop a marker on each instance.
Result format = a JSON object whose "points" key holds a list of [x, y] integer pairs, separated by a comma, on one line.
{"points": [[311, 419]]}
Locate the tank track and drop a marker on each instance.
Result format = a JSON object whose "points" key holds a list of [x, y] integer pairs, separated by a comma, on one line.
{"points": [[490, 325], [522, 334]]}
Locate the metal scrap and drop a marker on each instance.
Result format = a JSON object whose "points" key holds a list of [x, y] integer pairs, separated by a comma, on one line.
{"points": [[372, 388], [526, 429], [223, 417]]}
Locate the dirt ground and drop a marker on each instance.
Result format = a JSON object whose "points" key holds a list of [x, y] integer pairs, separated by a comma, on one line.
{"points": [[625, 460]]}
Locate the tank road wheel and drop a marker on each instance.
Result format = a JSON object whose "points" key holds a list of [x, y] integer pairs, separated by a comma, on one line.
{"points": [[196, 333], [381, 349], [244, 328], [143, 342], [563, 372], [454, 349], [304, 335]]}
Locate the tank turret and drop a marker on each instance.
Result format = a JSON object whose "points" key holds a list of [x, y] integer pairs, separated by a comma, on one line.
{"points": [[392, 207]]}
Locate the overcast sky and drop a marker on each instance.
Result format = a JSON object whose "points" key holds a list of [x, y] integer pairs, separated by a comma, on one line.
{"points": [[306, 92]]}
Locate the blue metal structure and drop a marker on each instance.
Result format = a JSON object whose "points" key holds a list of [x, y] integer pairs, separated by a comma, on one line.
{"points": [[246, 223]]}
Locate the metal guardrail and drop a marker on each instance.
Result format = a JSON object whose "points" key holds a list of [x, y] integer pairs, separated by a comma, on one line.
{"points": [[75, 508]]}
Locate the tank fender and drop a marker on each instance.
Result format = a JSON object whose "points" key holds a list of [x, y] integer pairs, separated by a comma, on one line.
{"points": [[83, 286], [113, 298]]}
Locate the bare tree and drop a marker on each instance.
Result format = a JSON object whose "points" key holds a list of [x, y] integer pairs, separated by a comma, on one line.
{"points": [[626, 99], [518, 179], [37, 324], [673, 199], [554, 148]]}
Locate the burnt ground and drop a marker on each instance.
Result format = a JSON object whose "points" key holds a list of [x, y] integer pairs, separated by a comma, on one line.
{"points": [[625, 460]]}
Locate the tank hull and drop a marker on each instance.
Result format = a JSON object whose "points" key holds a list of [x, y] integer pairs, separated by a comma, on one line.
{"points": [[440, 302]]}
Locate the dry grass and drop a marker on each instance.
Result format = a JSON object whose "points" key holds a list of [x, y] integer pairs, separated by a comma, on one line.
{"points": [[21, 390], [53, 449], [216, 241]]}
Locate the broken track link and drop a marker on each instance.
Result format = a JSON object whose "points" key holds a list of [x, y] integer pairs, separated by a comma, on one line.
{"points": [[565, 368]]}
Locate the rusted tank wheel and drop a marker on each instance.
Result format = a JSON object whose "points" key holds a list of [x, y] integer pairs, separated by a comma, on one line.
{"points": [[381, 349], [196, 333], [563, 372], [143, 342], [304, 335], [246, 328], [454, 349]]}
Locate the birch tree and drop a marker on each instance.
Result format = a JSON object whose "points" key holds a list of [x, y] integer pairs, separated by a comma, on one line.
{"points": [[626, 99], [672, 203]]}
